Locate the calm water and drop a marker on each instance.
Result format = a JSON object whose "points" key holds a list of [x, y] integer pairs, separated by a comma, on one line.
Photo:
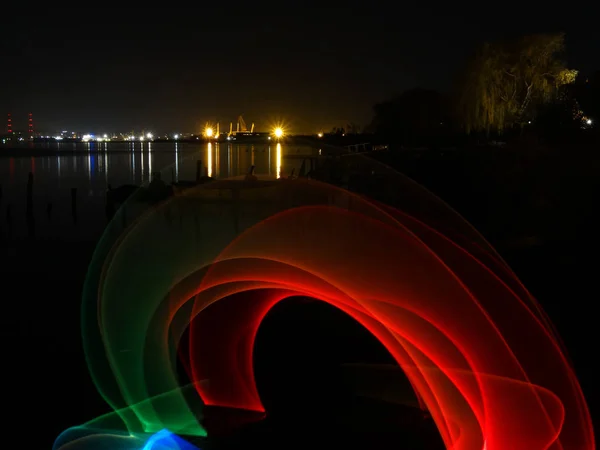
{"points": [[90, 168]]}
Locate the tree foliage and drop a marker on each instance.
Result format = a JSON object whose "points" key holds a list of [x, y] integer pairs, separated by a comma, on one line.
{"points": [[507, 81]]}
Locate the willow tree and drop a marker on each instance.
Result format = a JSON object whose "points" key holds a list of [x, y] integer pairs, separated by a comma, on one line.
{"points": [[506, 82]]}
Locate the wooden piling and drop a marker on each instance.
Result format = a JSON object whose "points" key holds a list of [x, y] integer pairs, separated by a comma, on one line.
{"points": [[29, 212], [198, 170]]}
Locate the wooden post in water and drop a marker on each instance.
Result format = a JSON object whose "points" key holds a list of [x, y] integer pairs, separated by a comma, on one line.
{"points": [[198, 170], [29, 211], [74, 204]]}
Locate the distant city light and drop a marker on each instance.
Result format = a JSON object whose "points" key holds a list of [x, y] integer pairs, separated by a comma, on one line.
{"points": [[208, 132], [176, 136], [278, 132], [589, 121], [320, 135], [105, 136], [149, 135]]}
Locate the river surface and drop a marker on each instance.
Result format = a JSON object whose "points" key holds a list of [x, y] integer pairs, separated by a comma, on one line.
{"points": [[91, 167]]}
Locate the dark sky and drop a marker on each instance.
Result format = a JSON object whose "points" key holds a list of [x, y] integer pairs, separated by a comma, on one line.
{"points": [[172, 69]]}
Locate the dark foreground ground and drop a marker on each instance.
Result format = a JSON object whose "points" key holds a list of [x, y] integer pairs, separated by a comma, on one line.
{"points": [[47, 387], [360, 424], [300, 353]]}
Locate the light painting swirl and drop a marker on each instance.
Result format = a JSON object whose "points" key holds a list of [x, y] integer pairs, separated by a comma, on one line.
{"points": [[478, 350]]}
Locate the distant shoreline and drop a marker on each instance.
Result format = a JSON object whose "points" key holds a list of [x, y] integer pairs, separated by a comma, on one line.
{"points": [[52, 147], [36, 152]]}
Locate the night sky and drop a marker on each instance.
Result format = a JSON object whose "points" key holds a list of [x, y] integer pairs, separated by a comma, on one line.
{"points": [[172, 70]]}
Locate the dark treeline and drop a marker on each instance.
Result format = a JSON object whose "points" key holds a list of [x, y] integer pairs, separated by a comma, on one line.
{"points": [[508, 90], [513, 147]]}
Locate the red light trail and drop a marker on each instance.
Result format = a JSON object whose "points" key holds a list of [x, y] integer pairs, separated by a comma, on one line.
{"points": [[479, 351]]}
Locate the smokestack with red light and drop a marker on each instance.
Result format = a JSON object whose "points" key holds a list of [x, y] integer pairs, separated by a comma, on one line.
{"points": [[30, 126], [9, 124]]}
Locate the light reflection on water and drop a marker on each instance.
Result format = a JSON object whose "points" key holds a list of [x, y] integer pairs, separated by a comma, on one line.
{"points": [[92, 167]]}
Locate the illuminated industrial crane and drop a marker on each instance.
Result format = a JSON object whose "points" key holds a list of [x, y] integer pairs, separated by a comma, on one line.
{"points": [[241, 124]]}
